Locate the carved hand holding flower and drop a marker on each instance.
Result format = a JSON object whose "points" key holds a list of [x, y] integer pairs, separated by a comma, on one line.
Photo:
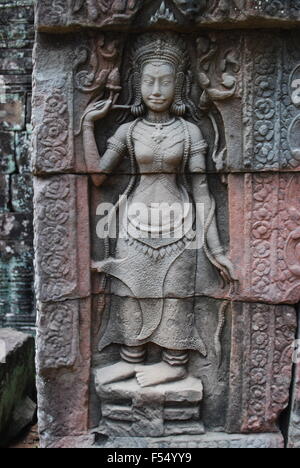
{"points": [[97, 110]]}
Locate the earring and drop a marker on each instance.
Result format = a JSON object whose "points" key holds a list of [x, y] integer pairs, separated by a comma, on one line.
{"points": [[178, 107], [138, 107]]}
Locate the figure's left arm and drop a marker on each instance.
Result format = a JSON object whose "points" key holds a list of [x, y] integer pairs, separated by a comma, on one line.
{"points": [[203, 198]]}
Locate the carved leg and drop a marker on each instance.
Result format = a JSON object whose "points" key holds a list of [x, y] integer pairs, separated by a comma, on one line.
{"points": [[171, 369], [125, 369]]}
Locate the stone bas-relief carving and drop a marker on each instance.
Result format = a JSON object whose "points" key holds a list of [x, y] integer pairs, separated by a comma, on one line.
{"points": [[256, 99], [204, 12], [261, 355], [163, 147], [267, 204], [209, 367]]}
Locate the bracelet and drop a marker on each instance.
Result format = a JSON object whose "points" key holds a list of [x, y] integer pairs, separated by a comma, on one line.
{"points": [[218, 251], [88, 125]]}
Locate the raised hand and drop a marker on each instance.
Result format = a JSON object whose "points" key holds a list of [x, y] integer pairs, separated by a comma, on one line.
{"points": [[97, 110]]}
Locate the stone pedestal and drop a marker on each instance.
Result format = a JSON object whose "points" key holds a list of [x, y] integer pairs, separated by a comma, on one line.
{"points": [[165, 410]]}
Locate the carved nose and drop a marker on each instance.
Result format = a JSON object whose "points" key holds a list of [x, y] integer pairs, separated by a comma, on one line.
{"points": [[156, 90]]}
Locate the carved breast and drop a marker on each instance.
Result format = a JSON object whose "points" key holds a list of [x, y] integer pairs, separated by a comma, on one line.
{"points": [[159, 148]]}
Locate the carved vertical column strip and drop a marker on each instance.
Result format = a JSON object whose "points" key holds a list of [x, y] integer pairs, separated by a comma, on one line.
{"points": [[286, 108], [261, 366], [248, 228], [274, 256], [277, 98], [238, 382], [294, 422], [61, 238], [247, 105]]}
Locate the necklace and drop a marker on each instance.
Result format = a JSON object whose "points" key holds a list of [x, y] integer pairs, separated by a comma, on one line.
{"points": [[158, 136], [163, 123]]}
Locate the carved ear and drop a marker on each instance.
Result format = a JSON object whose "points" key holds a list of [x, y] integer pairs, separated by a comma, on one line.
{"points": [[178, 107]]}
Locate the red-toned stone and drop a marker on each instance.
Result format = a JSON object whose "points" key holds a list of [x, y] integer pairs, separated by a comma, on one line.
{"points": [[265, 234], [261, 366]]}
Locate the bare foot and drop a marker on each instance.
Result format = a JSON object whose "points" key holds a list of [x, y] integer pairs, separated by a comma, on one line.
{"points": [[159, 374], [116, 373]]}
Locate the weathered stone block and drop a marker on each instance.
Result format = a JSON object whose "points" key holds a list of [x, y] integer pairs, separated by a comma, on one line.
{"points": [[183, 14], [23, 156], [210, 440], [16, 61], [147, 411], [21, 193], [12, 112], [7, 152], [264, 212], [63, 368], [261, 366], [4, 192], [16, 226], [17, 379], [16, 280], [62, 238]]}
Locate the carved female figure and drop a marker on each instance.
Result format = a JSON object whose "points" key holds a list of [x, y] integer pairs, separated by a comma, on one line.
{"points": [[152, 263]]}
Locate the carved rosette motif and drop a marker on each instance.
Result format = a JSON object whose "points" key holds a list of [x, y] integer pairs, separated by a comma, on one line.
{"points": [[271, 330], [261, 149], [58, 330], [271, 103], [262, 217], [270, 214], [261, 366], [54, 137], [55, 237]]}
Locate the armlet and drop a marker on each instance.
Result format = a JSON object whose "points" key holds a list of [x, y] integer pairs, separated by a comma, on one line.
{"points": [[116, 145], [197, 156]]}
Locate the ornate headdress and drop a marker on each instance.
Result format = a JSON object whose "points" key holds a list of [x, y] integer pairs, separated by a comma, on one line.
{"points": [[160, 47], [163, 47]]}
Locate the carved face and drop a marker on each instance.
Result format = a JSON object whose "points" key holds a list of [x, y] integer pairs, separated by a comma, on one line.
{"points": [[158, 86]]}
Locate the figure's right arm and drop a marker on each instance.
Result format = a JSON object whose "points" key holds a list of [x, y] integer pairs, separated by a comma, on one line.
{"points": [[101, 167]]}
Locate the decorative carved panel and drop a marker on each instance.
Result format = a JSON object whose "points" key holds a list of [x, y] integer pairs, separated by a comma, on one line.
{"points": [[264, 234], [149, 336], [61, 238]]}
